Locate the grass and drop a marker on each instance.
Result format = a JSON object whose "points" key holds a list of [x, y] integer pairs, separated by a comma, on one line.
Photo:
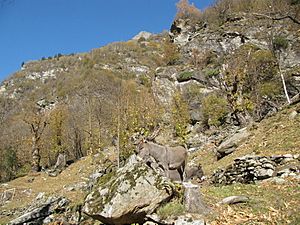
{"points": [[269, 203], [173, 209]]}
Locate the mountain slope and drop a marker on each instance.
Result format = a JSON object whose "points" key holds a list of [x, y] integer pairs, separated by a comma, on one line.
{"points": [[215, 75]]}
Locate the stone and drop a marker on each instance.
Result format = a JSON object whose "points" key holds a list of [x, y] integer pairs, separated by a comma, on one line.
{"points": [[7, 195], [37, 214], [127, 196], [150, 223], [230, 144], [268, 166], [293, 115], [193, 200], [143, 34], [77, 186], [187, 219], [40, 196], [234, 200], [264, 173], [276, 180]]}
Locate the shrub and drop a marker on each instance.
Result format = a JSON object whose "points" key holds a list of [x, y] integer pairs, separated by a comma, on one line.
{"points": [[8, 164], [145, 80], [280, 42], [186, 10], [180, 116], [215, 109], [184, 76], [171, 209], [212, 72], [270, 89], [171, 54]]}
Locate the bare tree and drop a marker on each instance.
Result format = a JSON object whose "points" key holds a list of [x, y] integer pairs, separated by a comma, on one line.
{"points": [[37, 122]]}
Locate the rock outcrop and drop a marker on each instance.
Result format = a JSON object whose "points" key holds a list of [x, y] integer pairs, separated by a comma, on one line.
{"points": [[37, 213], [231, 143], [128, 195]]}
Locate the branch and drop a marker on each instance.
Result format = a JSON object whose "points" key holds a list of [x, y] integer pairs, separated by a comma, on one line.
{"points": [[279, 18]]}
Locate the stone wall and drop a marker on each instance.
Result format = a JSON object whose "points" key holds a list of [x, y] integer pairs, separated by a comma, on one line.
{"points": [[251, 168]]}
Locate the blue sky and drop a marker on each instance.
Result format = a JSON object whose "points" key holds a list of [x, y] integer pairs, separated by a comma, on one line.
{"points": [[32, 29]]}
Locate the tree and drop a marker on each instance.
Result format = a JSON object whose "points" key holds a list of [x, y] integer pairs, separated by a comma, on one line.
{"points": [[37, 121], [185, 10], [57, 119]]}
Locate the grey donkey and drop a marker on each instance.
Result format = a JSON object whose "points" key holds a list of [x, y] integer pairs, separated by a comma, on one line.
{"points": [[169, 158]]}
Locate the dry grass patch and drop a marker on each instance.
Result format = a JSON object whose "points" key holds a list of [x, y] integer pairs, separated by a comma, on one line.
{"points": [[26, 192], [269, 203]]}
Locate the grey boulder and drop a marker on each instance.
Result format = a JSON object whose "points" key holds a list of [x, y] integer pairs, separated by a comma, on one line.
{"points": [[127, 196]]}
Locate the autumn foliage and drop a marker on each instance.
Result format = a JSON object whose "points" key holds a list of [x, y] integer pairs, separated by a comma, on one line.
{"points": [[187, 10]]}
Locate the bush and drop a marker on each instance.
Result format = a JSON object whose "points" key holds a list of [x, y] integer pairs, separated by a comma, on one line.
{"points": [[280, 42], [270, 89], [8, 164], [171, 54], [171, 209], [145, 80], [180, 116], [186, 10], [215, 109], [187, 75], [212, 72]]}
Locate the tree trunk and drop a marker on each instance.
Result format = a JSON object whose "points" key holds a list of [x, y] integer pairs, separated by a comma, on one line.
{"points": [[90, 128], [36, 158]]}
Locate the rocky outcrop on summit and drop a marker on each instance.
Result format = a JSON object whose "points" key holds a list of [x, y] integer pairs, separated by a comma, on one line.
{"points": [[127, 196]]}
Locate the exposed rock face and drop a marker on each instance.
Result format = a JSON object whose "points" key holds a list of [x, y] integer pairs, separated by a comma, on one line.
{"points": [[164, 85], [143, 34], [249, 169], [37, 214], [128, 196]]}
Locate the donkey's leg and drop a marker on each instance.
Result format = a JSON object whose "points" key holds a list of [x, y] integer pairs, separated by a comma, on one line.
{"points": [[166, 169]]}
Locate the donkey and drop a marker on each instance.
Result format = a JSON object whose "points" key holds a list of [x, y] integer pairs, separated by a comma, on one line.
{"points": [[169, 158]]}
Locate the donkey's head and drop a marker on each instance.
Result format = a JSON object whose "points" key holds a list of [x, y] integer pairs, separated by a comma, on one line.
{"points": [[143, 148]]}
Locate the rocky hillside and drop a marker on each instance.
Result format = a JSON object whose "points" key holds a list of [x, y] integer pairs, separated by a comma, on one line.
{"points": [[224, 83]]}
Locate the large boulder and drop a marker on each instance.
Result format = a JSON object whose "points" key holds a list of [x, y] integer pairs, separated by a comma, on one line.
{"points": [[128, 195], [231, 143]]}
